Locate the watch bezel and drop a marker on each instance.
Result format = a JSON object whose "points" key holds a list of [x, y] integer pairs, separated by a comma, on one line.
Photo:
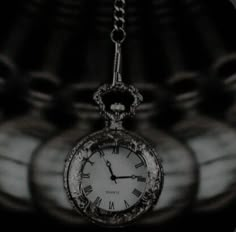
{"points": [[81, 153]]}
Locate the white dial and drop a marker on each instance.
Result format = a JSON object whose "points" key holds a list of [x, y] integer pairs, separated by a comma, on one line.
{"points": [[114, 178]]}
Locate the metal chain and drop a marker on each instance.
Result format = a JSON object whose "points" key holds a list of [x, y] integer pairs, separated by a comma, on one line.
{"points": [[118, 34], [118, 111]]}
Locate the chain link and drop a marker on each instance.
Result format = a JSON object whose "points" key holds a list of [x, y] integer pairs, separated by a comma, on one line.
{"points": [[118, 33]]}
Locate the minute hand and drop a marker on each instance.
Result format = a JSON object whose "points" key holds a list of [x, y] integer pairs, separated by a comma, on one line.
{"points": [[126, 177]]}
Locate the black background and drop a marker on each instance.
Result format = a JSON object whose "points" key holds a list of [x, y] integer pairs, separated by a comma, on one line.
{"points": [[222, 221]]}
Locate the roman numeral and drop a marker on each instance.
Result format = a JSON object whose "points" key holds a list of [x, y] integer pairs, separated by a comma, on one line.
{"points": [[88, 190], [98, 201], [111, 205], [141, 179], [126, 204], [139, 165], [129, 154], [101, 153], [85, 175], [116, 150], [137, 193]]}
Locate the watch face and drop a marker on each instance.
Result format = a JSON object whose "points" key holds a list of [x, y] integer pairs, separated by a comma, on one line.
{"points": [[113, 177]]}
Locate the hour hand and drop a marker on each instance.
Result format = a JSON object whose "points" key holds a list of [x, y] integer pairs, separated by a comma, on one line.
{"points": [[113, 177]]}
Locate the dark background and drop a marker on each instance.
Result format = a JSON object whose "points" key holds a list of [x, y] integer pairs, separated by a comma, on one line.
{"points": [[225, 18]]}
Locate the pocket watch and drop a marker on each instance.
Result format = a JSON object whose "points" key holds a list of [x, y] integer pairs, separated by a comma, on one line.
{"points": [[113, 176]]}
